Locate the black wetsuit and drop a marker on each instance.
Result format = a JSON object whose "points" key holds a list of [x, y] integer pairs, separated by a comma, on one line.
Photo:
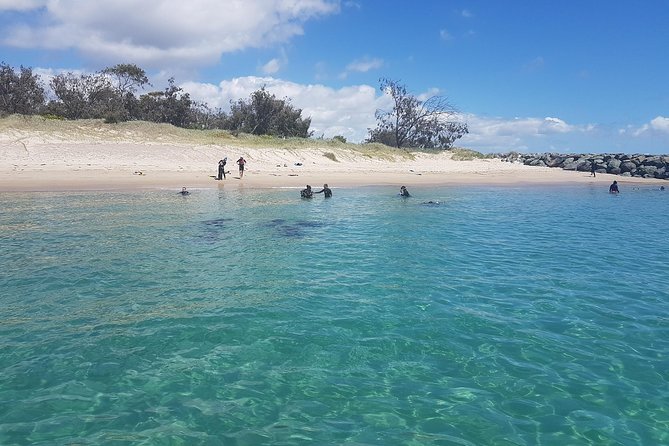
{"points": [[306, 193], [327, 191], [221, 170]]}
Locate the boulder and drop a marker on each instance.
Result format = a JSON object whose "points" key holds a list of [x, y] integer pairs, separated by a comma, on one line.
{"points": [[627, 166], [646, 171], [614, 164]]}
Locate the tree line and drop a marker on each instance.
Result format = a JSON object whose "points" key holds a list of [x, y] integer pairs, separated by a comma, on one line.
{"points": [[112, 95]]}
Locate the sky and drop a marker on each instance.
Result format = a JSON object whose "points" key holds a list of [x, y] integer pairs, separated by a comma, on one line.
{"points": [[569, 76]]}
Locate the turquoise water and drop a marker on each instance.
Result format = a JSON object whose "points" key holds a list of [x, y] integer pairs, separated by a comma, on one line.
{"points": [[501, 316]]}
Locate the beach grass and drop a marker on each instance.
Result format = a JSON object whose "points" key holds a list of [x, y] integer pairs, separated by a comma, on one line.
{"points": [[96, 130]]}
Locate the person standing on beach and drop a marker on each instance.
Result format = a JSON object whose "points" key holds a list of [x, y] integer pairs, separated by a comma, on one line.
{"points": [[241, 161], [221, 168], [593, 167], [326, 191], [613, 188]]}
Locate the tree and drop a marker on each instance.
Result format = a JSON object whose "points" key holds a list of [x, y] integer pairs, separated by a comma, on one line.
{"points": [[84, 97], [20, 92], [128, 78], [172, 106], [415, 123], [264, 114]]}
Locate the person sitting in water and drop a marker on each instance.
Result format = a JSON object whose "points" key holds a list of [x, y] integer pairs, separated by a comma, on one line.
{"points": [[307, 193], [613, 188], [404, 192], [326, 191], [184, 191]]}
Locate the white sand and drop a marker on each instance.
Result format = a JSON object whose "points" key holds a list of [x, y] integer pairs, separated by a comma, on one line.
{"points": [[89, 155]]}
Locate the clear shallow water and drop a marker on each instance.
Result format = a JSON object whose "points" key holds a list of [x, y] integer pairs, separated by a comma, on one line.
{"points": [[503, 316]]}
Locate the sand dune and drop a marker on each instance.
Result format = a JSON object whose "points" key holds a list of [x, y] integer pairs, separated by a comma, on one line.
{"points": [[37, 154]]}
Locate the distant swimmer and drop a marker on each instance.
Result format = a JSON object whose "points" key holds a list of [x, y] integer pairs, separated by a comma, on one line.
{"points": [[307, 193], [431, 203], [613, 188], [661, 187], [184, 191], [404, 192], [326, 191]]}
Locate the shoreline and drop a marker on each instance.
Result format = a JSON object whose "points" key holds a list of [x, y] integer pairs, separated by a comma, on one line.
{"points": [[118, 180], [40, 156]]}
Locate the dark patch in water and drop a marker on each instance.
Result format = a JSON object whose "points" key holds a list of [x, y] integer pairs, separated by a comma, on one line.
{"points": [[218, 222], [292, 230], [275, 223], [310, 224]]}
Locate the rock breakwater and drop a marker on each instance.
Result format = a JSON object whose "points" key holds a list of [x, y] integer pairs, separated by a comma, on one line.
{"points": [[645, 166]]}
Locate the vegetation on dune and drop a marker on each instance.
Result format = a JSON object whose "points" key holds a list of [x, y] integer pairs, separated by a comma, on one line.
{"points": [[414, 123], [53, 128], [110, 96]]}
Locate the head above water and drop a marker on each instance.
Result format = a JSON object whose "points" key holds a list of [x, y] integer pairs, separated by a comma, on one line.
{"points": [[325, 185]]}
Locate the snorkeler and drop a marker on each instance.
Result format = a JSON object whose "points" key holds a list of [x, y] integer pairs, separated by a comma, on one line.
{"points": [[326, 191]]}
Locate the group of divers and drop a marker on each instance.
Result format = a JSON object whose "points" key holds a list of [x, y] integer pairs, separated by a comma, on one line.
{"points": [[327, 192]]}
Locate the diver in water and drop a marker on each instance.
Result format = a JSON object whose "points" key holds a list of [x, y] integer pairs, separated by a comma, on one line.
{"points": [[326, 191], [613, 188], [307, 193], [404, 192]]}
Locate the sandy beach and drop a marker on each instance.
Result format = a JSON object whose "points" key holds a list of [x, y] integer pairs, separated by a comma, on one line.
{"points": [[42, 155]]}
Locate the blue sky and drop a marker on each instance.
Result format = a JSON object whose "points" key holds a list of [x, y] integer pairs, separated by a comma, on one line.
{"points": [[531, 76]]}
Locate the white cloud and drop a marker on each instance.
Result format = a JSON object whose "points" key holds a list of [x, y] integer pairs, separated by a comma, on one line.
{"points": [[657, 125], [661, 124], [21, 5], [445, 35], [467, 14], [166, 31], [272, 66], [362, 66], [520, 134], [535, 64], [348, 111]]}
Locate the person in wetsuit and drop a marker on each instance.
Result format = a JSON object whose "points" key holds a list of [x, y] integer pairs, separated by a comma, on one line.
{"points": [[307, 193], [221, 168], [242, 162], [613, 188], [404, 192], [326, 191], [184, 191]]}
